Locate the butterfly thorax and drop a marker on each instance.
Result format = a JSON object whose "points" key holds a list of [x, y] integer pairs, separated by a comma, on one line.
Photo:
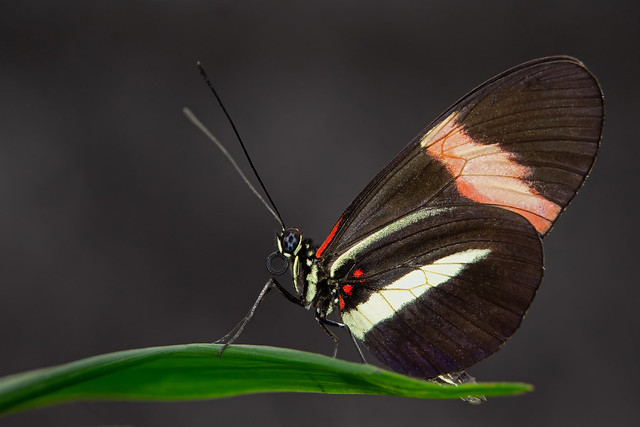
{"points": [[309, 278]]}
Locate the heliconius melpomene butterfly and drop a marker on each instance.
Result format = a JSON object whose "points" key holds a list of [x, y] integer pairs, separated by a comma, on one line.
{"points": [[435, 263]]}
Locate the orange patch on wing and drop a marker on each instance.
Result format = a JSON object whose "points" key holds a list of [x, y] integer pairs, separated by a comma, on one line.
{"points": [[341, 302], [485, 173]]}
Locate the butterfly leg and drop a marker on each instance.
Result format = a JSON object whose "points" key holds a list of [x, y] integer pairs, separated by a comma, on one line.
{"points": [[355, 342], [230, 338], [324, 323]]}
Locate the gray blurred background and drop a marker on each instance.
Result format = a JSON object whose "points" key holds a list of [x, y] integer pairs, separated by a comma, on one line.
{"points": [[122, 227]]}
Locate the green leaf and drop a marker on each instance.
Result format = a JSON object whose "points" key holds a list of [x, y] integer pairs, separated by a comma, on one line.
{"points": [[193, 371]]}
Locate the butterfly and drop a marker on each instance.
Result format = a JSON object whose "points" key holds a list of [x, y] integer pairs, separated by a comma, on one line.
{"points": [[435, 263]]}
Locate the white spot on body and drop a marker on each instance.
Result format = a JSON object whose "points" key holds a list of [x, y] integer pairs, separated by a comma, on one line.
{"points": [[312, 284]]}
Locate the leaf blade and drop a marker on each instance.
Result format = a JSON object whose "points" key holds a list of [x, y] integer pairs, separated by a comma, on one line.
{"points": [[194, 372]]}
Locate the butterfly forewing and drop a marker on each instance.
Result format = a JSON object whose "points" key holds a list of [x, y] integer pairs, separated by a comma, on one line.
{"points": [[524, 140], [438, 259]]}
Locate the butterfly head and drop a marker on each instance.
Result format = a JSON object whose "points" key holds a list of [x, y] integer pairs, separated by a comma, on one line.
{"points": [[289, 242]]}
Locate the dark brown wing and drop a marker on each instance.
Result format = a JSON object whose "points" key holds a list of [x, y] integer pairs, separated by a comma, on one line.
{"points": [[438, 259], [444, 290], [525, 140]]}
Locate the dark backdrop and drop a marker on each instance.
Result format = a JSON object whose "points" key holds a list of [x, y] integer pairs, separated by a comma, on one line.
{"points": [[121, 226]]}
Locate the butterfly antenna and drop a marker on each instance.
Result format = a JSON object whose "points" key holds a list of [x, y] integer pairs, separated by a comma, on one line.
{"points": [[192, 117], [273, 211]]}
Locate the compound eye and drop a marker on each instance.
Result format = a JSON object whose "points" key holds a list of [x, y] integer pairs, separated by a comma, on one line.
{"points": [[290, 239]]}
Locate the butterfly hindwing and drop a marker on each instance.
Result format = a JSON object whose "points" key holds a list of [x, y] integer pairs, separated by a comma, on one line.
{"points": [[454, 289]]}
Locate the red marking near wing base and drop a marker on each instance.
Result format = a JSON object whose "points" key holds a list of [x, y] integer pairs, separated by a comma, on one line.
{"points": [[328, 240], [485, 173], [341, 302], [348, 289], [358, 273]]}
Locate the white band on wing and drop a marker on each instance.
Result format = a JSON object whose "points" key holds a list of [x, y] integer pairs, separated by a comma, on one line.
{"points": [[385, 302]]}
